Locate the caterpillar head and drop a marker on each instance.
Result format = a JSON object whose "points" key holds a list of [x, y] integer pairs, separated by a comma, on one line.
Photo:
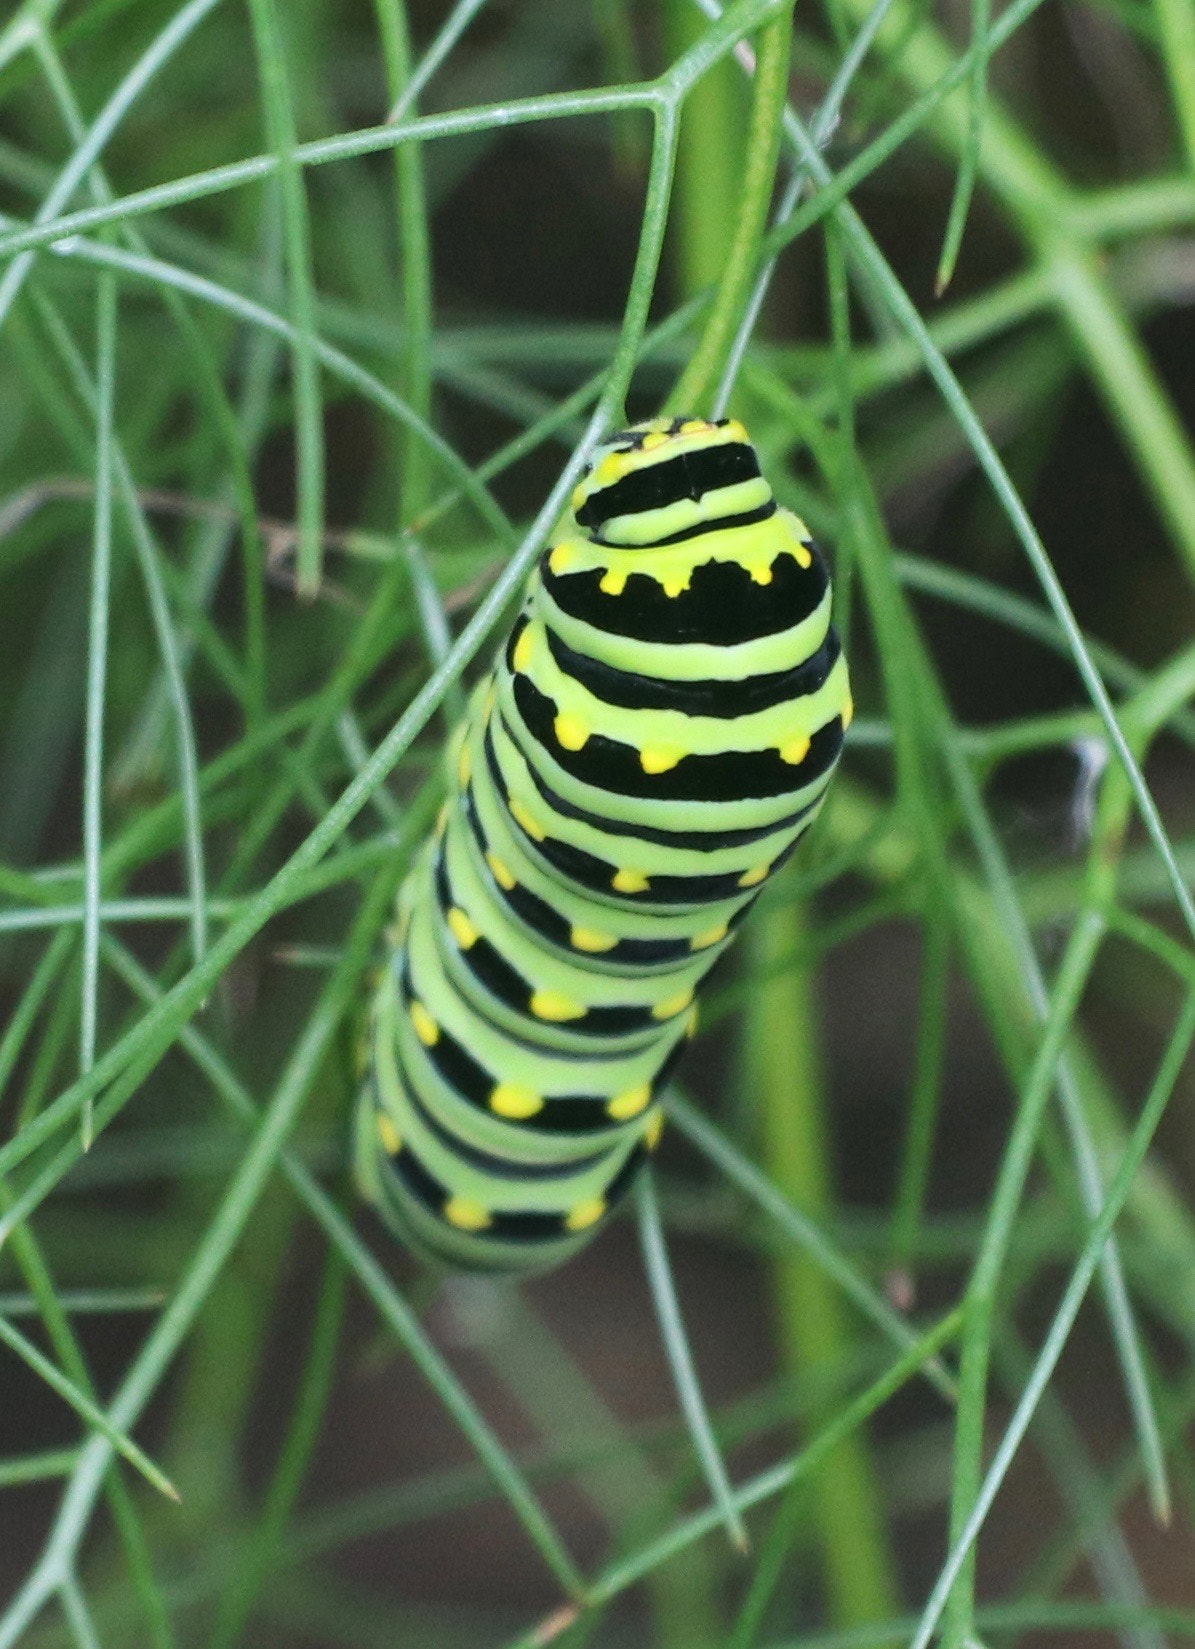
{"points": [[667, 479]]}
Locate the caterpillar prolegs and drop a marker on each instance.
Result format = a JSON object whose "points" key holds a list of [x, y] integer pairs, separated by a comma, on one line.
{"points": [[658, 730]]}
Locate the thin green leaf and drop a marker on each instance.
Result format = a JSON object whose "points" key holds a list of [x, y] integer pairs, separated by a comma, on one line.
{"points": [[280, 125], [796, 1225], [112, 1433], [97, 671], [968, 169], [680, 1358]]}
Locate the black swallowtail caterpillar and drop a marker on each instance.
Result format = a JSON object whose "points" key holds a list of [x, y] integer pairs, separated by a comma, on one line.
{"points": [[655, 735]]}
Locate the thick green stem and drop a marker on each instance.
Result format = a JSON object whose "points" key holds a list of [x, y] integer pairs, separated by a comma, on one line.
{"points": [[708, 163], [416, 265], [280, 123], [784, 1071], [1176, 24], [754, 194]]}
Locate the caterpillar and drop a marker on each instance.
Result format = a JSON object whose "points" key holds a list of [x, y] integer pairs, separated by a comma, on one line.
{"points": [[657, 731]]}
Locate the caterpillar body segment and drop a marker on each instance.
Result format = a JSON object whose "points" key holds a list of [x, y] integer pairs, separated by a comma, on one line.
{"points": [[658, 730]]}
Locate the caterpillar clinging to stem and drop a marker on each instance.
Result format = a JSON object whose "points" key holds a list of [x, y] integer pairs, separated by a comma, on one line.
{"points": [[657, 732]]}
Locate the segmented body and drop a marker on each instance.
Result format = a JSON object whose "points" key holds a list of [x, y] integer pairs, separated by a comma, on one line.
{"points": [[658, 730]]}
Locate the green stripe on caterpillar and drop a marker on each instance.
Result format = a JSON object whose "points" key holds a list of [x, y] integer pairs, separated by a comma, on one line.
{"points": [[658, 730]]}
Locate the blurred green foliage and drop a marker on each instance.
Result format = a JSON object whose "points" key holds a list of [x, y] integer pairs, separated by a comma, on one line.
{"points": [[308, 313]]}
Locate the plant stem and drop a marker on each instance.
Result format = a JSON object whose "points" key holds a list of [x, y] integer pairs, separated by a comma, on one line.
{"points": [[770, 85]]}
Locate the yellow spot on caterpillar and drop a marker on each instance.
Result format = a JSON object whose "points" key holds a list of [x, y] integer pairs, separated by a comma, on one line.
{"points": [[491, 699], [585, 1214], [522, 815], [524, 648], [562, 557], [711, 936], [555, 1005], [464, 766], [466, 1214], [675, 585], [692, 426], [734, 431], [651, 1134], [630, 881], [630, 1103], [511, 1100], [848, 712], [691, 1023], [657, 759], [672, 1005], [590, 939], [794, 750], [656, 438], [571, 731], [426, 1028], [751, 878], [804, 555], [463, 930], [389, 1135], [761, 575], [579, 496], [610, 468], [612, 582], [502, 874]]}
